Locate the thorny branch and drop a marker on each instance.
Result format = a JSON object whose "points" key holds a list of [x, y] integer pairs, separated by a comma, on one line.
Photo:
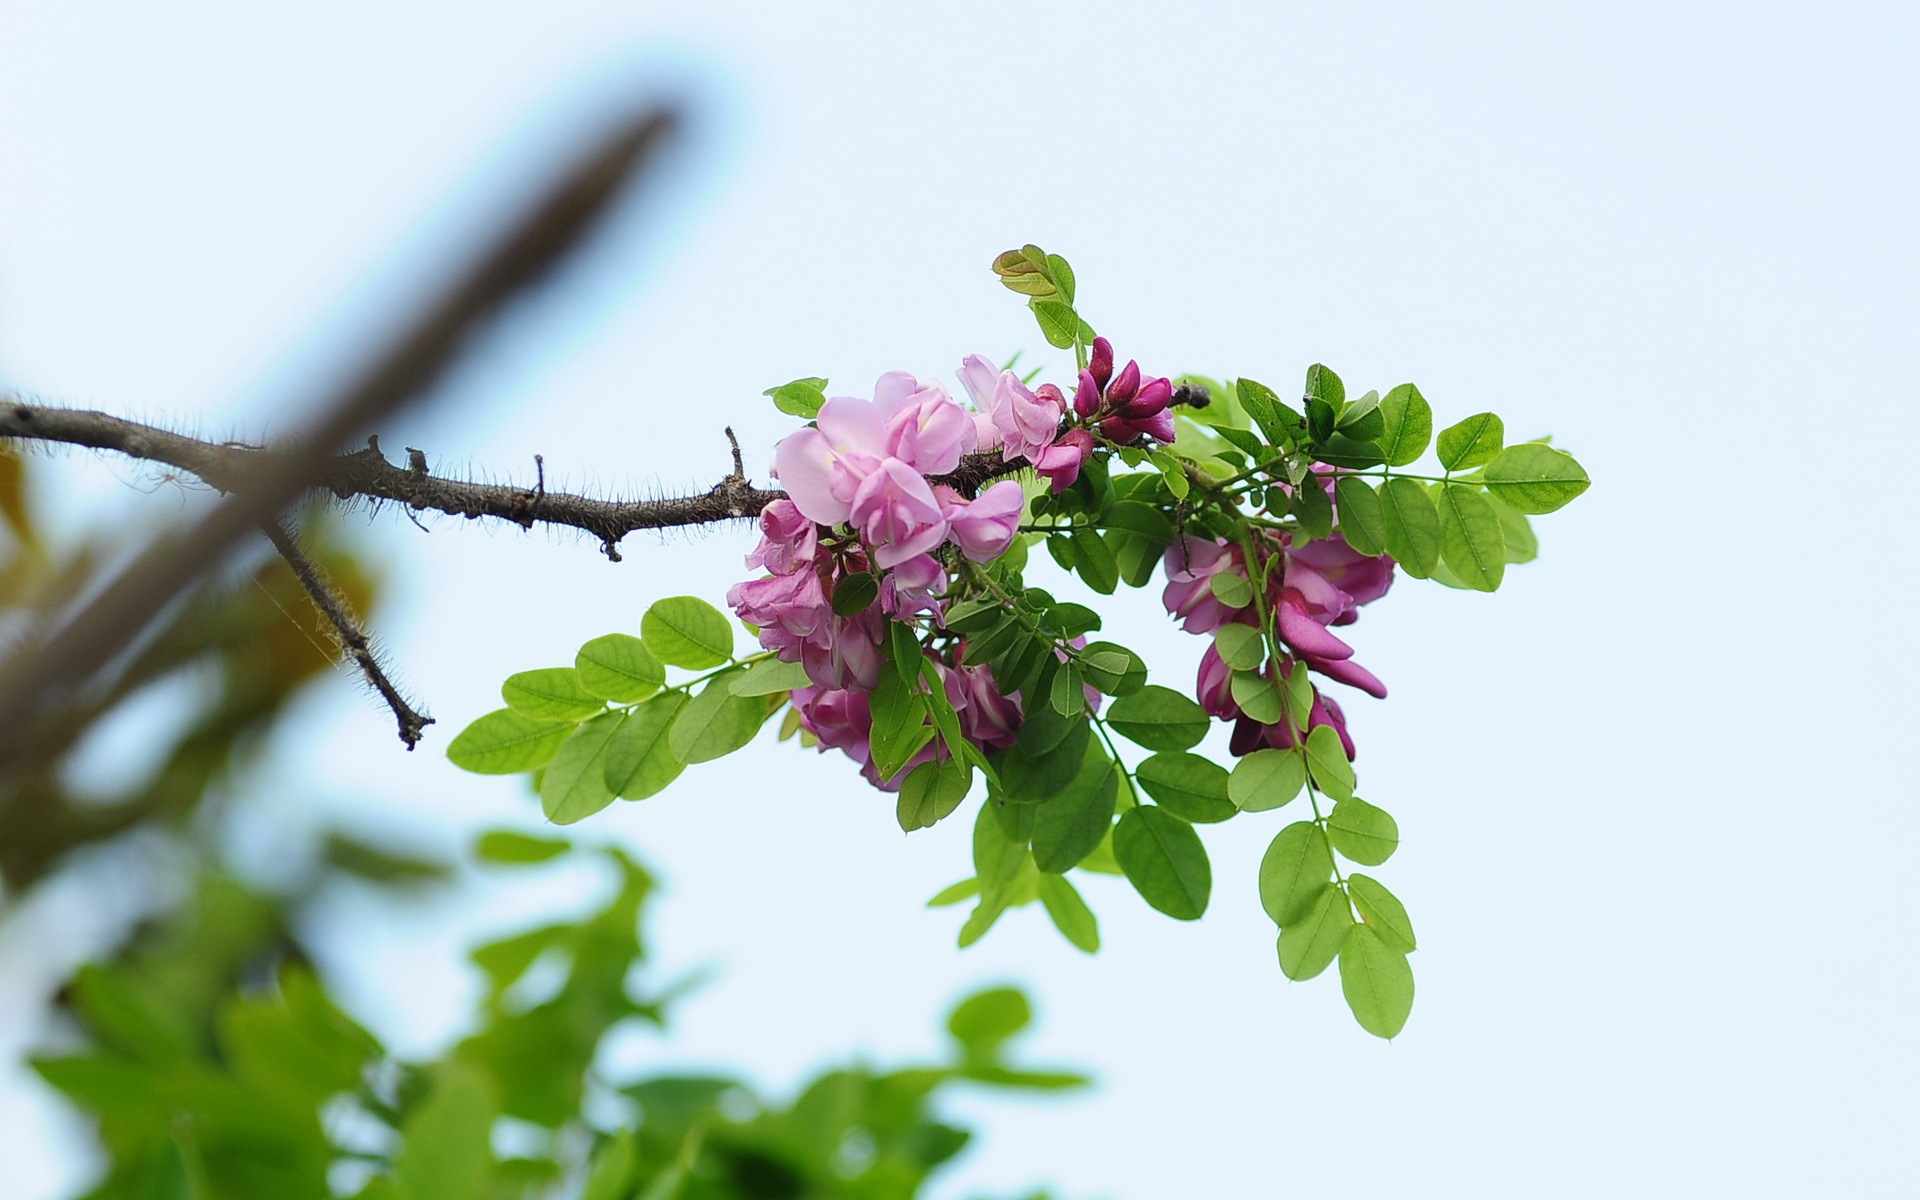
{"points": [[367, 474], [353, 640]]}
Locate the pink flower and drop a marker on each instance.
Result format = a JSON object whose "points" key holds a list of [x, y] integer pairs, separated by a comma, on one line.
{"points": [[1191, 564], [1061, 462], [845, 651], [788, 541], [1026, 421], [987, 718], [983, 527], [1214, 687], [896, 513], [1249, 735], [925, 427], [823, 467], [1334, 579], [837, 717], [789, 609], [911, 587]]}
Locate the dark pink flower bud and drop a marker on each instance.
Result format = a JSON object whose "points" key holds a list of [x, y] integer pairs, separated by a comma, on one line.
{"points": [[1124, 385], [1101, 362], [1086, 397], [1151, 400]]}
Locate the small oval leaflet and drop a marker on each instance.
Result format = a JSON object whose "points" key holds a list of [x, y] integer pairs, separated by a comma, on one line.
{"points": [[686, 631], [551, 693], [639, 760], [617, 667], [1159, 718], [1297, 864], [1266, 779], [575, 785], [1309, 945], [505, 742], [1164, 860], [1362, 832], [1377, 982]]}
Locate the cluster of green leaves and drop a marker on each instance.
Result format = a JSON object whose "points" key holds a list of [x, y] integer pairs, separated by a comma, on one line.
{"points": [[1047, 282], [1247, 469], [206, 1092], [611, 725]]}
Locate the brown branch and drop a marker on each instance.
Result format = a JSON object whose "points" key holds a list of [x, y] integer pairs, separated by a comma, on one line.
{"points": [[353, 640], [368, 474], [55, 658]]}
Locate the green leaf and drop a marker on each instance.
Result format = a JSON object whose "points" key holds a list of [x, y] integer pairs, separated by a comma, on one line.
{"points": [[1412, 526], [509, 847], [1363, 833], [1165, 861], [1534, 478], [1071, 825], [1159, 718], [1231, 589], [1362, 522], [1267, 779], [1470, 538], [1256, 697], [505, 742], [1112, 668], [716, 722], [1241, 647], [1058, 324], [1312, 510], [1517, 532], [617, 667], [1072, 619], [448, 1152], [1188, 786], [1143, 519], [931, 792], [903, 649], [1327, 760], [1383, 910], [1345, 450], [1174, 471], [1299, 695], [954, 893], [1357, 412], [612, 1174], [1001, 833], [1070, 913], [575, 785], [769, 676], [551, 694], [1377, 982], [854, 593], [1409, 425], [1309, 945], [1297, 864], [1094, 561], [801, 398], [640, 759], [900, 728], [984, 1021], [686, 631], [1324, 385], [1062, 276], [1472, 442]]}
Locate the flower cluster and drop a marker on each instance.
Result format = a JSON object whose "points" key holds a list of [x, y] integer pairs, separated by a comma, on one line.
{"points": [[865, 498], [1312, 587]]}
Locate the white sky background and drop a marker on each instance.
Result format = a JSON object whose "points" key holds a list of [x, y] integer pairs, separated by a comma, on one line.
{"points": [[1654, 844]]}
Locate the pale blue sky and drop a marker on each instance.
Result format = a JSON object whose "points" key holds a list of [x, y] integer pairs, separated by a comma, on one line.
{"points": [[1654, 840]]}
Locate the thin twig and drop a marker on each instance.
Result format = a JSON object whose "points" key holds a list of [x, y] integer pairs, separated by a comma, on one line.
{"points": [[353, 640], [58, 656]]}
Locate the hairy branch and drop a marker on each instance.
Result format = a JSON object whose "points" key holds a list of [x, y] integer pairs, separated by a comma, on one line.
{"points": [[353, 640], [368, 474]]}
